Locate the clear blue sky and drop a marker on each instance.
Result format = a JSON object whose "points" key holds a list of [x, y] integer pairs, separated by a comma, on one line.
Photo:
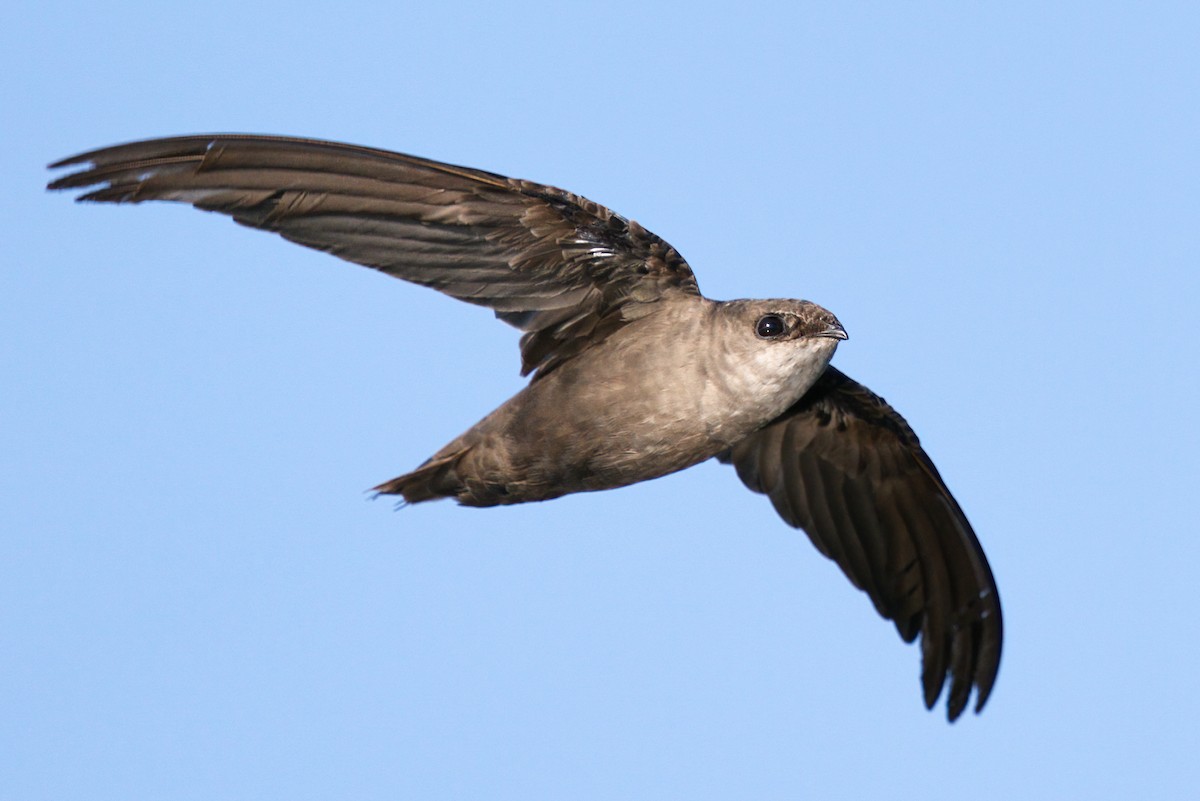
{"points": [[197, 601]]}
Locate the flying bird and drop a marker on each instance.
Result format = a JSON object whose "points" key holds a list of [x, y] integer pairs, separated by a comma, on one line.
{"points": [[634, 373]]}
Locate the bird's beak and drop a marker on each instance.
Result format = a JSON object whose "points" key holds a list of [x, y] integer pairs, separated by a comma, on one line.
{"points": [[834, 331]]}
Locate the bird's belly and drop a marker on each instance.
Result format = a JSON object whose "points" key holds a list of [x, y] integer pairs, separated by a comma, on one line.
{"points": [[546, 444], [598, 458]]}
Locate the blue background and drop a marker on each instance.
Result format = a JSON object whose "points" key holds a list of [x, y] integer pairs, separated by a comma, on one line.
{"points": [[197, 599]]}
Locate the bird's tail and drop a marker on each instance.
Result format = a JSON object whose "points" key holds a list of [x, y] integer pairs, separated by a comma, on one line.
{"points": [[437, 478]]}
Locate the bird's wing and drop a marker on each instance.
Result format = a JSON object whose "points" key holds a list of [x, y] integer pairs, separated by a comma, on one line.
{"points": [[561, 268], [845, 467]]}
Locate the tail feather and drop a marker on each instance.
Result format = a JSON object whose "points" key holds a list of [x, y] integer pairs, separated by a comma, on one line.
{"points": [[437, 478]]}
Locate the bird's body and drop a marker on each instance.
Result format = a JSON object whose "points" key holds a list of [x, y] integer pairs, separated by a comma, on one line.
{"points": [[661, 394], [634, 373]]}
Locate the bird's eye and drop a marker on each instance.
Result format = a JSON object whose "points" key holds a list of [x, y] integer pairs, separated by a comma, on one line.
{"points": [[770, 326]]}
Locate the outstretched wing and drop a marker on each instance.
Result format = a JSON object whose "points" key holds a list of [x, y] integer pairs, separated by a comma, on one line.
{"points": [[845, 467], [563, 269]]}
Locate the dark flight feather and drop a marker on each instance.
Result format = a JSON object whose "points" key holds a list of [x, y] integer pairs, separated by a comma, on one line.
{"points": [[845, 467], [563, 269]]}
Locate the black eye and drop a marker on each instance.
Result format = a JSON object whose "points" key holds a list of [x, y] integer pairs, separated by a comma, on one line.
{"points": [[771, 325]]}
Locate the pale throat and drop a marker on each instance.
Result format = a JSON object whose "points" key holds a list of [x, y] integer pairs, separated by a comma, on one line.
{"points": [[762, 383]]}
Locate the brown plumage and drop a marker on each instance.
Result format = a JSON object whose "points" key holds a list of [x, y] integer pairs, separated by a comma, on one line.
{"points": [[635, 374]]}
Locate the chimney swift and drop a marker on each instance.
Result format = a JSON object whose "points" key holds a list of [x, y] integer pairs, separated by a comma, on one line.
{"points": [[635, 374]]}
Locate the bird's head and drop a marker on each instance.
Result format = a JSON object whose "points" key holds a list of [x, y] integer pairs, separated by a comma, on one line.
{"points": [[776, 347]]}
